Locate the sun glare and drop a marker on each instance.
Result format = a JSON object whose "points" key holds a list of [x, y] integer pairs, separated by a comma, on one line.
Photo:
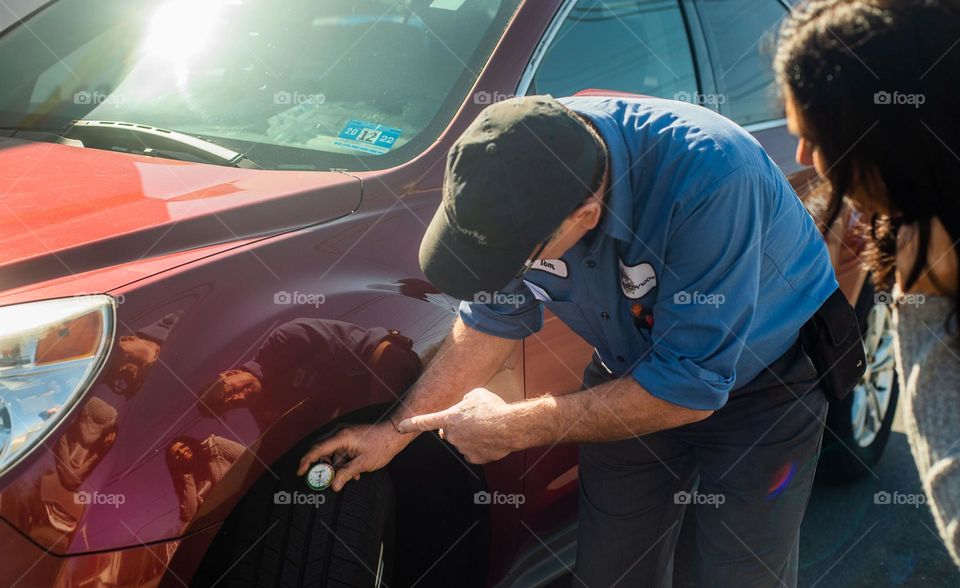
{"points": [[182, 28]]}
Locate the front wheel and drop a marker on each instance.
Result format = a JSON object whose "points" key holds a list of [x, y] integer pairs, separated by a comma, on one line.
{"points": [[284, 534], [859, 426]]}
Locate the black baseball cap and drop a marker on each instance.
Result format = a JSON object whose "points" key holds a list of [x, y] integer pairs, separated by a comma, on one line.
{"points": [[511, 179]]}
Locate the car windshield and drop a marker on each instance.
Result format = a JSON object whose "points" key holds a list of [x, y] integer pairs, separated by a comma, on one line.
{"points": [[302, 84]]}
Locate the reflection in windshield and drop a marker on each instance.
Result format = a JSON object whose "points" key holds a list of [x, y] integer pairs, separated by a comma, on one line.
{"points": [[313, 86]]}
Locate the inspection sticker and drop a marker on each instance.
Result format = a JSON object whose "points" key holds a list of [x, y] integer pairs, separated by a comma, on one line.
{"points": [[367, 137]]}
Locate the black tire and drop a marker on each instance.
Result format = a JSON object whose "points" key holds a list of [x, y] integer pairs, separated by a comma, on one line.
{"points": [[843, 458], [347, 540]]}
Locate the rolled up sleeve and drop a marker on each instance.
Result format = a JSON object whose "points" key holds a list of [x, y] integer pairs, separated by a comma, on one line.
{"points": [[707, 295], [511, 313]]}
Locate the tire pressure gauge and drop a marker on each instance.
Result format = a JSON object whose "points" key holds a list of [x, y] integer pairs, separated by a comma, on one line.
{"points": [[320, 476]]}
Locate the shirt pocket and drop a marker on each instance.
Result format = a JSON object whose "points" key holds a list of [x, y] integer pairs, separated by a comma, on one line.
{"points": [[572, 315], [640, 314]]}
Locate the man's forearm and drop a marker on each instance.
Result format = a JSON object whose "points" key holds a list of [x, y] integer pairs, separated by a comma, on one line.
{"points": [[467, 359], [615, 410]]}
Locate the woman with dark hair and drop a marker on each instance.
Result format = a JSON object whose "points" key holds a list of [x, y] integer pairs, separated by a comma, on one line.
{"points": [[196, 466], [871, 89]]}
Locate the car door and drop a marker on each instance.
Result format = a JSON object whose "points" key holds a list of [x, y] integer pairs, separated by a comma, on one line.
{"points": [[702, 51], [739, 40]]}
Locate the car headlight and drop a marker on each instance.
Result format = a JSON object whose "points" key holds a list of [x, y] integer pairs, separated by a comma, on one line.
{"points": [[50, 351]]}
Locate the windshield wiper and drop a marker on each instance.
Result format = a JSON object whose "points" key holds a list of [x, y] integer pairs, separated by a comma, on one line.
{"points": [[140, 139], [154, 141]]}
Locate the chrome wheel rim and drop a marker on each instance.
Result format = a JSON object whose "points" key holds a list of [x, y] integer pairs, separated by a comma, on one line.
{"points": [[871, 396], [378, 580]]}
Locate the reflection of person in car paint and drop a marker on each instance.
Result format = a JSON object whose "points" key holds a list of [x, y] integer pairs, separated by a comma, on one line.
{"points": [[232, 388], [196, 466], [305, 357], [85, 443], [137, 355], [48, 507], [135, 567]]}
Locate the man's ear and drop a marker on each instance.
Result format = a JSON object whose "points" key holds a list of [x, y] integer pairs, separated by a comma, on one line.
{"points": [[589, 213]]}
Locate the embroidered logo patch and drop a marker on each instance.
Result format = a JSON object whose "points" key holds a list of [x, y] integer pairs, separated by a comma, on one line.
{"points": [[637, 280], [557, 267]]}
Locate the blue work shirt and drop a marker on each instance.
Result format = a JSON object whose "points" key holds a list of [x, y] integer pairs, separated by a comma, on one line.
{"points": [[702, 270]]}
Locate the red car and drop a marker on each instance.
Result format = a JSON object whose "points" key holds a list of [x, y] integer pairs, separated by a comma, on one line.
{"points": [[210, 215]]}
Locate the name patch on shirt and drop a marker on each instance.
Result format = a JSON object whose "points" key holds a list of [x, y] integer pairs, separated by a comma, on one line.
{"points": [[557, 267], [637, 280]]}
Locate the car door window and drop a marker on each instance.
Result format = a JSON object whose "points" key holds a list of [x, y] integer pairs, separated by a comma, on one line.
{"points": [[739, 37], [638, 46]]}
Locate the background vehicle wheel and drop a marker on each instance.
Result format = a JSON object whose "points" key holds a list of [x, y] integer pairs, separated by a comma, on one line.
{"points": [[859, 427], [278, 538]]}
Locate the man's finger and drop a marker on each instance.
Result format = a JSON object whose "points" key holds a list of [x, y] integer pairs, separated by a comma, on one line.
{"points": [[424, 422], [339, 457], [344, 475], [322, 449]]}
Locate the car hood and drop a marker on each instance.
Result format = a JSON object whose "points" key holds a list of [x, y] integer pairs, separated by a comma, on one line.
{"points": [[66, 210]]}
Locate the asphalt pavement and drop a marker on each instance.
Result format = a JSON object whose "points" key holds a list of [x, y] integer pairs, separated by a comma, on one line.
{"points": [[854, 537], [851, 536]]}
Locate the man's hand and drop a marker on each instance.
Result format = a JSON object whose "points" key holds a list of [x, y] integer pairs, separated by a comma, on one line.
{"points": [[355, 450], [477, 426]]}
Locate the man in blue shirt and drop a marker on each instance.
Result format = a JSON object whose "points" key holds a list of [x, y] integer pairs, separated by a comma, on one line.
{"points": [[663, 235]]}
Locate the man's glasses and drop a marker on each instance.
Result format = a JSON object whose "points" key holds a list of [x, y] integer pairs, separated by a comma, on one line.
{"points": [[536, 254], [533, 259]]}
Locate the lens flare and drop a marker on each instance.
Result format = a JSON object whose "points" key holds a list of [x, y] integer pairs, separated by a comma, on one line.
{"points": [[782, 480], [180, 29]]}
